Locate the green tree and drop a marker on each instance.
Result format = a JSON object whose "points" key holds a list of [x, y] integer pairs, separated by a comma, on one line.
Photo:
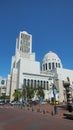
{"points": [[3, 97], [28, 92], [40, 92], [17, 94]]}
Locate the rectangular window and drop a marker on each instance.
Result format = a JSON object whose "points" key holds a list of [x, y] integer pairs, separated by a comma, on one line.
{"points": [[56, 65], [34, 83], [59, 65], [53, 65], [43, 67], [46, 66], [49, 65], [24, 82], [31, 83]]}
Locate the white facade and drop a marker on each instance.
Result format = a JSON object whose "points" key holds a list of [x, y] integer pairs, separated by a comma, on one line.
{"points": [[25, 70]]}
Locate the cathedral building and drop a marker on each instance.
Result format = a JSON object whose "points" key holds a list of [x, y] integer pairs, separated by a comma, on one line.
{"points": [[25, 70]]}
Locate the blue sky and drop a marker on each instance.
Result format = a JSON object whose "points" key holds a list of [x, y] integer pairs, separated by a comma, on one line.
{"points": [[49, 21]]}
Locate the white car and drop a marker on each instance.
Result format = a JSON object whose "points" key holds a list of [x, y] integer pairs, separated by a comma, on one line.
{"points": [[15, 103]]}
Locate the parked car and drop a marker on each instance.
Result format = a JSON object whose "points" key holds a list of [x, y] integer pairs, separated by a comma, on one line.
{"points": [[33, 102], [15, 103], [2, 103]]}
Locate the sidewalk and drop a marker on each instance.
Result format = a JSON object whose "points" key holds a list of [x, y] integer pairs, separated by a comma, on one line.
{"points": [[33, 118], [48, 109]]}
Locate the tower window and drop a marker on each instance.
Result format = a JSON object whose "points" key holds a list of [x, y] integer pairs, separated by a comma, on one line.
{"points": [[49, 65], [56, 65], [46, 66], [43, 67], [53, 65], [59, 65]]}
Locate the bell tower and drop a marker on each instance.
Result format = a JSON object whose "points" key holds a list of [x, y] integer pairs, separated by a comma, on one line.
{"points": [[24, 43]]}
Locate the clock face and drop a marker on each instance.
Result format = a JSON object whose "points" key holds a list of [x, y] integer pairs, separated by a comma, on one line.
{"points": [[2, 82]]}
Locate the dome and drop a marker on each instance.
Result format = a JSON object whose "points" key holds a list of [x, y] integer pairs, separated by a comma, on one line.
{"points": [[24, 32], [51, 61], [50, 55]]}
